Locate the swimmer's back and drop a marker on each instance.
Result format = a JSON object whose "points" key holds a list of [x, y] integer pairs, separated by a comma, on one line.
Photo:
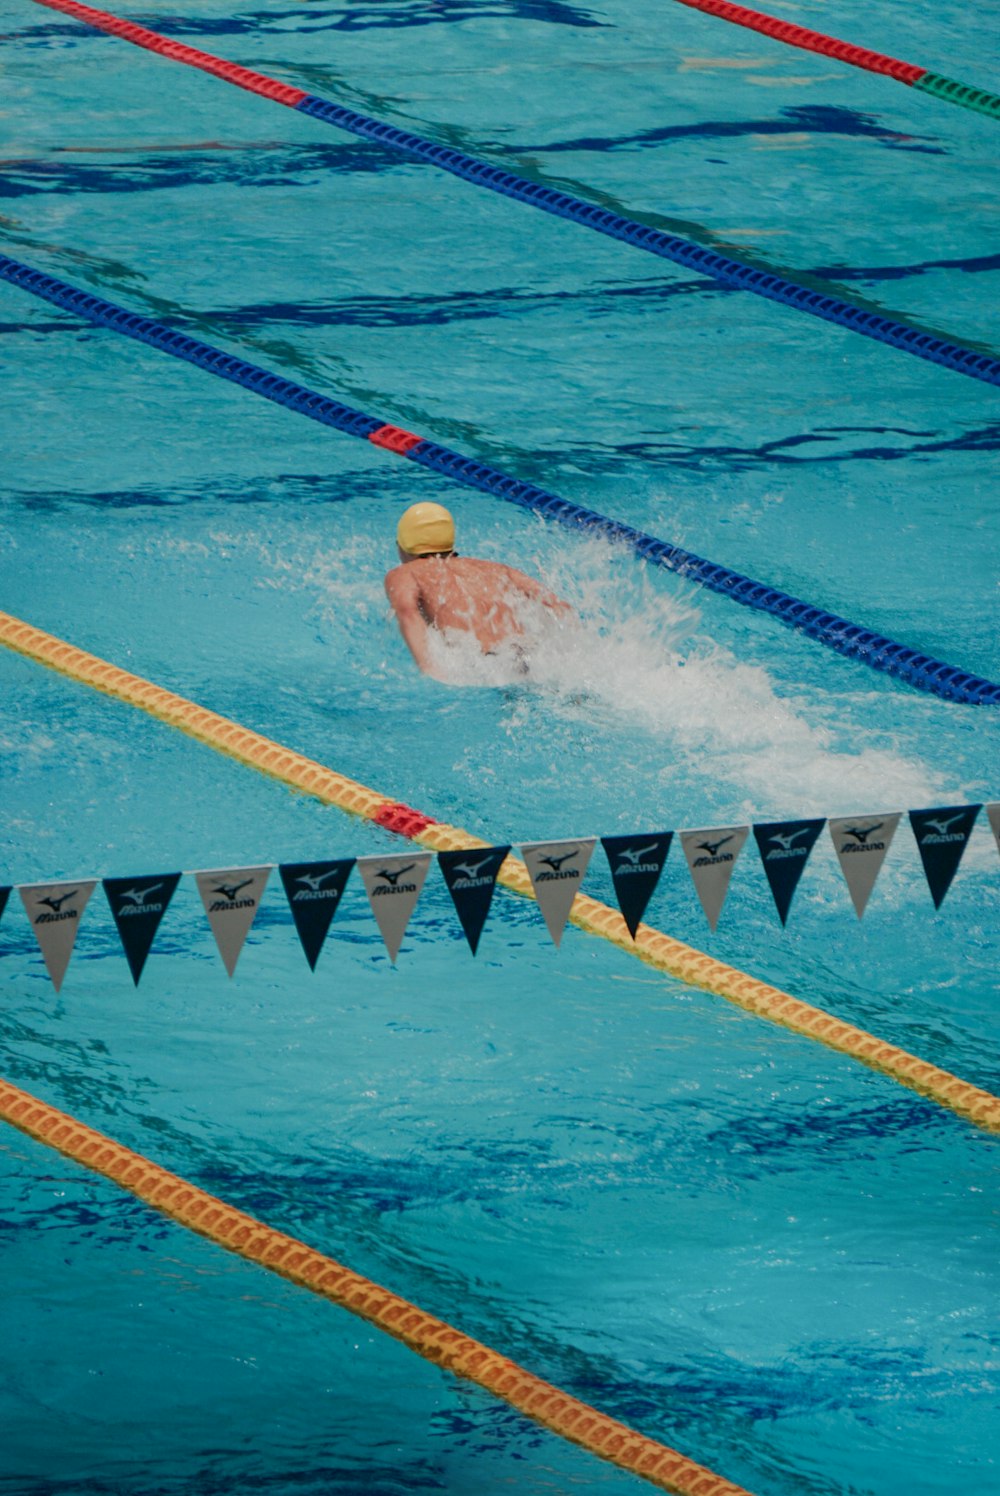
{"points": [[485, 598]]}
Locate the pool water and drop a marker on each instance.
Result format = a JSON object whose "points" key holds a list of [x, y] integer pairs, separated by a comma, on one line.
{"points": [[735, 1240]]}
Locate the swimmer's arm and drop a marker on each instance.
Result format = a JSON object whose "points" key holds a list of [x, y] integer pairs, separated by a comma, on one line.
{"points": [[403, 593]]}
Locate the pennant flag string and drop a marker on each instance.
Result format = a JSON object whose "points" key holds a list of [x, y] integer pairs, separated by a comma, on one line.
{"points": [[393, 883]]}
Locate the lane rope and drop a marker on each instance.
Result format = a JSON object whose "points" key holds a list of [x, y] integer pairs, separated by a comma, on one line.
{"points": [[733, 273], [909, 73], [849, 639], [432, 1338], [693, 967]]}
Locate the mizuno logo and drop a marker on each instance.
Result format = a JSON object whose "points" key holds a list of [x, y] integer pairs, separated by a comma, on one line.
{"points": [[940, 825], [393, 877], [230, 890], [633, 857], [139, 904], [55, 904], [471, 869], [712, 848], [557, 869], [313, 880], [139, 895], [470, 875], [785, 839], [862, 833]]}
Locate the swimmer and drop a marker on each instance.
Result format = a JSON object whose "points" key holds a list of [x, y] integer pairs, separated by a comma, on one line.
{"points": [[435, 590]]}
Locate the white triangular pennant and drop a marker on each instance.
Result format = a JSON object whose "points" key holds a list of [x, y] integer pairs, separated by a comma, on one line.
{"points": [[556, 871], [861, 844], [393, 887], [711, 855], [54, 911], [993, 815], [231, 896]]}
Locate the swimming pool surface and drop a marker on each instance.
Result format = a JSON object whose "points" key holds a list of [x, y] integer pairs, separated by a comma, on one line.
{"points": [[740, 1242]]}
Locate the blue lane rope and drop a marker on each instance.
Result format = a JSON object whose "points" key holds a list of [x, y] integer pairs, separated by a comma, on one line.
{"points": [[849, 639], [729, 272], [667, 246]]}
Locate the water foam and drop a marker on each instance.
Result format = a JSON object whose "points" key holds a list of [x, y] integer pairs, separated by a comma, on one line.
{"points": [[637, 661], [641, 657]]}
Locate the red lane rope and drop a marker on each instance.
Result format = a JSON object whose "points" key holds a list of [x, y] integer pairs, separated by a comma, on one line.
{"points": [[232, 72], [809, 41]]}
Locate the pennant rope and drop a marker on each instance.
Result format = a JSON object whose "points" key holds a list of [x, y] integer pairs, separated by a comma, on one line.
{"points": [[732, 273], [848, 639], [433, 1339], [860, 57], [393, 883], [694, 968]]}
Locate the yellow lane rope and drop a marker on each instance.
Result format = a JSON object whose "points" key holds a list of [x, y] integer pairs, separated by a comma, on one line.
{"points": [[661, 951], [432, 1338]]}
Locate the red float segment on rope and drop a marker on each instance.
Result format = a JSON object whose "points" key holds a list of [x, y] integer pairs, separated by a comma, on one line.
{"points": [[395, 439], [402, 819], [810, 41], [232, 72]]}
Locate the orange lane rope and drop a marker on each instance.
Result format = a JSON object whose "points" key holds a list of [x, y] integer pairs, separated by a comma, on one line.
{"points": [[661, 951], [432, 1338]]}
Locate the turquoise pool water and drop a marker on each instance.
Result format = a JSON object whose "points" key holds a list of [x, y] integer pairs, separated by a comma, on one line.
{"points": [[731, 1238]]}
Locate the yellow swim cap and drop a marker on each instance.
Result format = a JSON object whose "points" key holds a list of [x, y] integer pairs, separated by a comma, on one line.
{"points": [[424, 529]]}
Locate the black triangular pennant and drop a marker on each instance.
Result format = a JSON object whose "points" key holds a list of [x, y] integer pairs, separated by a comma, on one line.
{"points": [[4, 896], [942, 834], [784, 848], [636, 863], [471, 878], [138, 905], [313, 891]]}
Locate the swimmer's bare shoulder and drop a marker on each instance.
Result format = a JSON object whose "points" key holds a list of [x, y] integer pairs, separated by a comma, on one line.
{"points": [[404, 591], [508, 579], [402, 588]]}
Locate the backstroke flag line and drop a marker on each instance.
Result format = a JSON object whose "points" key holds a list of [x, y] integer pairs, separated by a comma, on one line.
{"points": [[471, 878], [231, 896], [393, 887], [137, 906], [313, 891], [54, 911], [942, 835], [393, 883], [861, 844], [711, 856], [636, 863], [556, 871]]}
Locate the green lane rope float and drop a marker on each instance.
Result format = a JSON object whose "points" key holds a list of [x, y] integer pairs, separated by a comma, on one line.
{"points": [[920, 78]]}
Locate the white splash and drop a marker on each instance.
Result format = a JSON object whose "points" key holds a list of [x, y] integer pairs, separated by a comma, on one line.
{"points": [[636, 661], [640, 656]]}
